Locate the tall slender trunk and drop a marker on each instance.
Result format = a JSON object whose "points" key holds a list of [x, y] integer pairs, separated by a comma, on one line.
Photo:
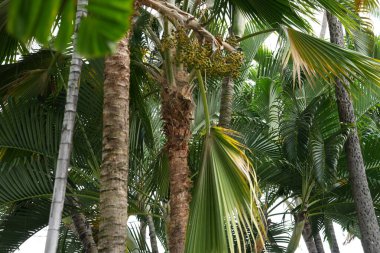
{"points": [[369, 227], [177, 110], [308, 238], [331, 238], [318, 243], [114, 170], [84, 232], [226, 100], [66, 143], [299, 224], [323, 26], [143, 226], [152, 234]]}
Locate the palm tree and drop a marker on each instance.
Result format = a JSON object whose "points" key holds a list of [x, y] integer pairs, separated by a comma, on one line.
{"points": [[65, 146], [368, 222], [114, 172], [237, 31], [278, 114], [42, 115], [177, 80]]}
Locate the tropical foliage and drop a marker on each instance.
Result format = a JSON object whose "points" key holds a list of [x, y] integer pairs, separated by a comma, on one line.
{"points": [[282, 153]]}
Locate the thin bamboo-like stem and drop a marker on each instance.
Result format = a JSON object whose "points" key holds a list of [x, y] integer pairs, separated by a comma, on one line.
{"points": [[66, 144], [168, 57]]}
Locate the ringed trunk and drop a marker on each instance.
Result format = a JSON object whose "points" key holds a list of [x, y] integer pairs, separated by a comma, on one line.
{"points": [[369, 227], [84, 231], [66, 143], [114, 169]]}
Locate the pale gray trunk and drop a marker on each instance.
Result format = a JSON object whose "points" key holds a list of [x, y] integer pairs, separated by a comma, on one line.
{"points": [[308, 238], [323, 26], [226, 100], [84, 233], [331, 238], [318, 243], [152, 234], [369, 227], [65, 145]]}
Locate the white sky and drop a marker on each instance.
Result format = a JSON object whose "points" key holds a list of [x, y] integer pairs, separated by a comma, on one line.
{"points": [[36, 243]]}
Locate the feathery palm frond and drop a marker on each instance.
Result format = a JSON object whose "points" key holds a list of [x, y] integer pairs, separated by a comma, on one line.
{"points": [[316, 57]]}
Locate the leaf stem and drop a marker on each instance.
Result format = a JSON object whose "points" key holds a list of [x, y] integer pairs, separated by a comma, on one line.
{"points": [[204, 100], [256, 33]]}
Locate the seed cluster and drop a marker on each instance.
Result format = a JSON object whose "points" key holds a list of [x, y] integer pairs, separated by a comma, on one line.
{"points": [[195, 54]]}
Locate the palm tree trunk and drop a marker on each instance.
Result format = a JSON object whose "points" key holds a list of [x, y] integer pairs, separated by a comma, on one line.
{"points": [[323, 26], [152, 234], [177, 110], [331, 238], [369, 227], [308, 238], [114, 170], [143, 226], [299, 224], [226, 100], [66, 143], [85, 233], [318, 243]]}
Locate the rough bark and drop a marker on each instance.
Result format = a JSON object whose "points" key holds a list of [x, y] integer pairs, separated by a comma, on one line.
{"points": [[66, 143], [369, 228], [114, 169], [177, 108], [84, 232], [331, 238], [318, 243], [226, 99], [152, 234], [308, 238], [143, 226]]}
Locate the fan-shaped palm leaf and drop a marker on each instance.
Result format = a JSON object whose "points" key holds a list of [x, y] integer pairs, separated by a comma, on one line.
{"points": [[224, 206]]}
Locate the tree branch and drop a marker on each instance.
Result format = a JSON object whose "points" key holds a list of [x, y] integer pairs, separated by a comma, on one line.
{"points": [[184, 19]]}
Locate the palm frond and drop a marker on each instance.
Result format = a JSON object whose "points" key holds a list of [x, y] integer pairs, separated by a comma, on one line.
{"points": [[28, 127], [318, 58], [20, 221], [224, 212]]}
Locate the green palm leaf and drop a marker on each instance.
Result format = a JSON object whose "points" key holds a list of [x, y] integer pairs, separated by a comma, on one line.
{"points": [[20, 221], [106, 23], [224, 205], [28, 127], [318, 58]]}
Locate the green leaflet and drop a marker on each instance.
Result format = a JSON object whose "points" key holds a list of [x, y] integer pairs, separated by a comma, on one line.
{"points": [[106, 23]]}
